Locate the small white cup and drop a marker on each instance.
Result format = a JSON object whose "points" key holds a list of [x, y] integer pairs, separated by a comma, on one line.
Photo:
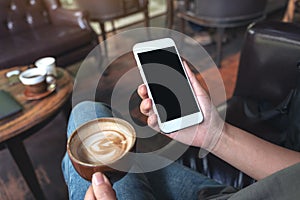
{"points": [[34, 80], [47, 64]]}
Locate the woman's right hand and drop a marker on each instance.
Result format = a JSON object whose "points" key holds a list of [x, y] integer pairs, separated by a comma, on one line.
{"points": [[204, 135]]}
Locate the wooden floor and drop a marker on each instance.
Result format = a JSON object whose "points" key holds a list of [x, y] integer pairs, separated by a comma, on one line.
{"points": [[229, 72]]}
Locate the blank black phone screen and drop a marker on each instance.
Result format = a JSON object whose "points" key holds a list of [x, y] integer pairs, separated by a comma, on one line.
{"points": [[168, 84]]}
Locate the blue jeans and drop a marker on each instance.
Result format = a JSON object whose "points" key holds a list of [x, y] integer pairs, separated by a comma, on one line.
{"points": [[172, 182]]}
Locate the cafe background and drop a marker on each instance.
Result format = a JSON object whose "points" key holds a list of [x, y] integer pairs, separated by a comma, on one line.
{"points": [[47, 147]]}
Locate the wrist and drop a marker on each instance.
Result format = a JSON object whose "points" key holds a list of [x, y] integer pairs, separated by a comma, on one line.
{"points": [[214, 132], [222, 142]]}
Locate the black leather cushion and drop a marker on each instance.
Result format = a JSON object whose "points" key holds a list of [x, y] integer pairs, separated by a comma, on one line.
{"points": [[45, 40], [215, 168], [230, 9], [267, 69], [267, 73], [20, 15], [270, 129], [30, 29]]}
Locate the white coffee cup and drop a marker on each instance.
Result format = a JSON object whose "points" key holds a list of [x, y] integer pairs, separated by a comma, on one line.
{"points": [[34, 80], [47, 64]]}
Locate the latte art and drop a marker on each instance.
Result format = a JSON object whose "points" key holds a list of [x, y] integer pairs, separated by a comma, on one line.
{"points": [[103, 147]]}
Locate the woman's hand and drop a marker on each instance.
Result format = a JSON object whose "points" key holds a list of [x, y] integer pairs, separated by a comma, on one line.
{"points": [[204, 135], [100, 189]]}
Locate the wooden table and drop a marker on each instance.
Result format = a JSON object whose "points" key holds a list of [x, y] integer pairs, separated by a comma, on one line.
{"points": [[35, 115]]}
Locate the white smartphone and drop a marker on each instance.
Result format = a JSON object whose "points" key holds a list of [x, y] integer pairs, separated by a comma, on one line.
{"points": [[168, 85]]}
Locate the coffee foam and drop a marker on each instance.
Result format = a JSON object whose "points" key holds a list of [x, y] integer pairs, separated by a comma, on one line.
{"points": [[103, 147], [102, 142]]}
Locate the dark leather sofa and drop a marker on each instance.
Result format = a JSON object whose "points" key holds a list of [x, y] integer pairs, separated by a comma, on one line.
{"points": [[36, 28], [267, 73]]}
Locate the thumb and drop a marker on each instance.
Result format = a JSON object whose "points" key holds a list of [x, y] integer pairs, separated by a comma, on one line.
{"points": [[102, 187]]}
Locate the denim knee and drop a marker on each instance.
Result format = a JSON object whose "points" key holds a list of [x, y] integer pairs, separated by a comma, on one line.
{"points": [[86, 111]]}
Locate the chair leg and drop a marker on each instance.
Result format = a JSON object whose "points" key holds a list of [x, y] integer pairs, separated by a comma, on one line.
{"points": [[103, 33], [113, 27], [170, 14], [220, 33], [182, 25], [146, 16]]}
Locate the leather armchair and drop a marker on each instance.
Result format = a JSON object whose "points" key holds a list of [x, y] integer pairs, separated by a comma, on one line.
{"points": [[267, 73], [38, 28]]}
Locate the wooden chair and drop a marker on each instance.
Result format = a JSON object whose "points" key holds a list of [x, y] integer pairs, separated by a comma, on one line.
{"points": [[103, 11], [221, 14]]}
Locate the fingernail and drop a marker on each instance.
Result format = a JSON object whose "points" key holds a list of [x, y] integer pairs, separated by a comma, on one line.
{"points": [[149, 102], [97, 178]]}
